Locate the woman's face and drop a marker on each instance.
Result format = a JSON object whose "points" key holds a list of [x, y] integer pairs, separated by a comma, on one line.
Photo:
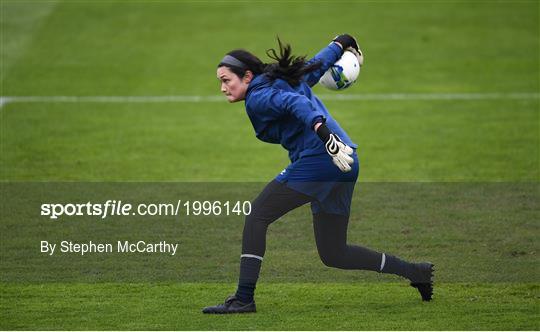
{"points": [[233, 86]]}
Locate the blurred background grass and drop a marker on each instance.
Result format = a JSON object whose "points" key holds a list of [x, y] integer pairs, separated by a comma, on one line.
{"points": [[162, 48]]}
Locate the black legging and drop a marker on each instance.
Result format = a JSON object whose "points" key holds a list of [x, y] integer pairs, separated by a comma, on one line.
{"points": [[277, 199]]}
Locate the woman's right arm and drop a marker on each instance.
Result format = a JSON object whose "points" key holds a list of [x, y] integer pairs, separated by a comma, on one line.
{"points": [[327, 57]]}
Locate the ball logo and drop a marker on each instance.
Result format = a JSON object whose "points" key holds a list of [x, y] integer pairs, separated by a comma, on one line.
{"points": [[343, 73], [339, 77]]}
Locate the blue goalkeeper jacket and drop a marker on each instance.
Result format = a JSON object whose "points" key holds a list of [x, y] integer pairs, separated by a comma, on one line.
{"points": [[285, 115]]}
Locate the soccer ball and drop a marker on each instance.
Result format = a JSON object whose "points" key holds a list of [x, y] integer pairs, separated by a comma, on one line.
{"points": [[344, 72]]}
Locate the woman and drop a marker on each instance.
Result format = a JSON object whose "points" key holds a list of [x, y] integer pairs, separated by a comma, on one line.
{"points": [[323, 169]]}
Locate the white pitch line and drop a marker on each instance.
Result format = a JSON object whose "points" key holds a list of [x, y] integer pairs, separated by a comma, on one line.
{"points": [[433, 96], [326, 97]]}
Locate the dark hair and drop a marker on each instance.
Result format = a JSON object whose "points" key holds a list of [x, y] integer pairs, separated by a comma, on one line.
{"points": [[288, 67], [253, 64]]}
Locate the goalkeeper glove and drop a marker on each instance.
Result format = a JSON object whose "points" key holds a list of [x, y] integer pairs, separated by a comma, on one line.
{"points": [[347, 41], [339, 151]]}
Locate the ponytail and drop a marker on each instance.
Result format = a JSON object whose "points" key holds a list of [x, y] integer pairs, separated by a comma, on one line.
{"points": [[288, 67]]}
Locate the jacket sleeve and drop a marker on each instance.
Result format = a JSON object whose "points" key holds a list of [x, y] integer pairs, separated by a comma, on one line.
{"points": [[327, 56], [278, 103], [301, 107]]}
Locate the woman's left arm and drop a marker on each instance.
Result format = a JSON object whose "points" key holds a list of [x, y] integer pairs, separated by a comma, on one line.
{"points": [[298, 105], [280, 102]]}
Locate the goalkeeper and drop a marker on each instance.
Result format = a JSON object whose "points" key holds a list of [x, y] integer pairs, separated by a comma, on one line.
{"points": [[323, 170]]}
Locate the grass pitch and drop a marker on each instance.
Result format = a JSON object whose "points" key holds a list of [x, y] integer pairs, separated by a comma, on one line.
{"points": [[482, 235], [282, 306]]}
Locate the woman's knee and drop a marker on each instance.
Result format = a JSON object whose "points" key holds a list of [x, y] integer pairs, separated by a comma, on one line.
{"points": [[258, 218], [331, 257]]}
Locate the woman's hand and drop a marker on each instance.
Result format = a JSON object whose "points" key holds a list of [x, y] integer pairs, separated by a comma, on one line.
{"points": [[346, 41], [339, 151]]}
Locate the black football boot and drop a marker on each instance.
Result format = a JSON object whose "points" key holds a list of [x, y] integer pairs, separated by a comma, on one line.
{"points": [[231, 306], [423, 280]]}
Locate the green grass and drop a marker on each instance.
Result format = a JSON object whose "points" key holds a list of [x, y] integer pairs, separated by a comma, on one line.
{"points": [[482, 238], [281, 306], [410, 46], [491, 227], [409, 141], [445, 47], [476, 215]]}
